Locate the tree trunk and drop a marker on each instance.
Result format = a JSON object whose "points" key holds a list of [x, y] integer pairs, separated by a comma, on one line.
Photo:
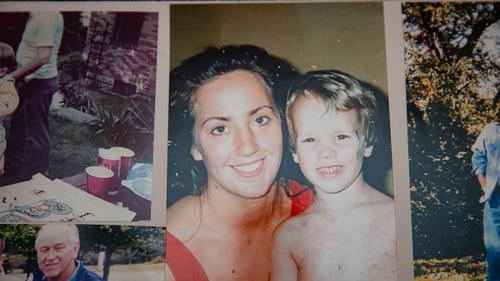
{"points": [[107, 263]]}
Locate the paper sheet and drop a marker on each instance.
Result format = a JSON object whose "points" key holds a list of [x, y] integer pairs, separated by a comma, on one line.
{"points": [[43, 200]]}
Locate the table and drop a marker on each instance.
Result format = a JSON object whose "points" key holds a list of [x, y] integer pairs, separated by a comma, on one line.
{"points": [[127, 197]]}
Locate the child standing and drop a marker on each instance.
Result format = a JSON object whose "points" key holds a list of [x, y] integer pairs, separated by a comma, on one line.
{"points": [[9, 100], [349, 231]]}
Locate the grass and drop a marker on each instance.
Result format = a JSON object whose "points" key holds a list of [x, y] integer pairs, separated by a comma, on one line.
{"points": [[72, 147], [470, 268]]}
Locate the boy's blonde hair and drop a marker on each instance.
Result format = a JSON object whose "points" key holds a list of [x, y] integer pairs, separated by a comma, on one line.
{"points": [[7, 56], [340, 92]]}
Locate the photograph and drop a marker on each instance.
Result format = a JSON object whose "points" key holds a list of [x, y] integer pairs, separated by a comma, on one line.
{"points": [[63, 251], [279, 152], [452, 61], [78, 108]]}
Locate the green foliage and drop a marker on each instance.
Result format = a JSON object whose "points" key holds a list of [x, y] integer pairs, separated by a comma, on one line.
{"points": [[451, 80], [448, 63], [70, 68], [76, 96], [20, 238], [111, 238], [465, 268], [129, 123], [122, 122]]}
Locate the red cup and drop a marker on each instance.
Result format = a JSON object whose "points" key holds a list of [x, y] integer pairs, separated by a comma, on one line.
{"points": [[111, 160], [125, 160], [98, 180]]}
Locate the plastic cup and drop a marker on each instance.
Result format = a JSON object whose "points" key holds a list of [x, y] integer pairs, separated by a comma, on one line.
{"points": [[125, 160], [98, 180], [111, 160]]}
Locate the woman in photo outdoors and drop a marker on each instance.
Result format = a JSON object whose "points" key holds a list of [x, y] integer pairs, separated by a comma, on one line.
{"points": [[225, 102]]}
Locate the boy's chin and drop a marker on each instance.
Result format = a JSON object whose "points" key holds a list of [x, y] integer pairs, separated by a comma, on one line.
{"points": [[331, 189]]}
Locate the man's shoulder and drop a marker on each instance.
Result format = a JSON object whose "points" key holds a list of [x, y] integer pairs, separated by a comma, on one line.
{"points": [[491, 126], [490, 132], [86, 275]]}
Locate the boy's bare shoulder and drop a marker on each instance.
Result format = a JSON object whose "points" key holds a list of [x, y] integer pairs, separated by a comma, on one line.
{"points": [[382, 224], [292, 226], [382, 207], [290, 233], [377, 197], [379, 203]]}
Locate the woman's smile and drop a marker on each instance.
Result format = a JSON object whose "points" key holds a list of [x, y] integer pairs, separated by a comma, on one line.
{"points": [[249, 169]]}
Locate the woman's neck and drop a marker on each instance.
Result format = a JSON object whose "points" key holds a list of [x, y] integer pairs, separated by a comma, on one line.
{"points": [[221, 207]]}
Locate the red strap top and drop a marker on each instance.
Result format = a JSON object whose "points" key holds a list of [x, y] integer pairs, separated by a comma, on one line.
{"points": [[301, 196], [184, 265]]}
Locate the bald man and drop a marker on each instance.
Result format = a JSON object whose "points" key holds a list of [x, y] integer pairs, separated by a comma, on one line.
{"points": [[57, 247]]}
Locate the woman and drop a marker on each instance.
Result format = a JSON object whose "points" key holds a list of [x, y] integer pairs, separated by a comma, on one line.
{"points": [[228, 96]]}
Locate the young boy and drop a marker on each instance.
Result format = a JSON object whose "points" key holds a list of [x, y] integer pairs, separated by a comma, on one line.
{"points": [[9, 100], [349, 231]]}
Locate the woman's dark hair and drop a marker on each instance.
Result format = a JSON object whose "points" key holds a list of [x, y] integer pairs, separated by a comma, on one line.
{"points": [[183, 172], [196, 71]]}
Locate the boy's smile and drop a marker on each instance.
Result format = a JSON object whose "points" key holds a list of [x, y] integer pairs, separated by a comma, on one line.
{"points": [[333, 170], [329, 147]]}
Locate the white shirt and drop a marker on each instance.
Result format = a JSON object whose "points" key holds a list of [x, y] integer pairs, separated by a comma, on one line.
{"points": [[42, 29]]}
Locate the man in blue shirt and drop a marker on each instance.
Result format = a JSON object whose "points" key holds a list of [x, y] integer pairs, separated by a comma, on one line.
{"points": [[486, 166], [57, 247]]}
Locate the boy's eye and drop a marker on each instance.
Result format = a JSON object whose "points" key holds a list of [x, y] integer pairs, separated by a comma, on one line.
{"points": [[343, 137], [262, 120], [219, 130], [307, 140]]}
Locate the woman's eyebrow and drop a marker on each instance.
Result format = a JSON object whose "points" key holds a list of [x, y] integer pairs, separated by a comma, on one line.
{"points": [[217, 118], [253, 111], [223, 118]]}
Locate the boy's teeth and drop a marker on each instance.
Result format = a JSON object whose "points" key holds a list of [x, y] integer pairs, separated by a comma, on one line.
{"points": [[248, 168], [330, 170]]}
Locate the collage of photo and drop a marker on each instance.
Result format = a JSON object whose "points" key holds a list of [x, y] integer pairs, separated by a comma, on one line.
{"points": [[196, 141]]}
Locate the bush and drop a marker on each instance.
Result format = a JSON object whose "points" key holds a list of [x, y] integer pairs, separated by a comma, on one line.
{"points": [[71, 68], [127, 122]]}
